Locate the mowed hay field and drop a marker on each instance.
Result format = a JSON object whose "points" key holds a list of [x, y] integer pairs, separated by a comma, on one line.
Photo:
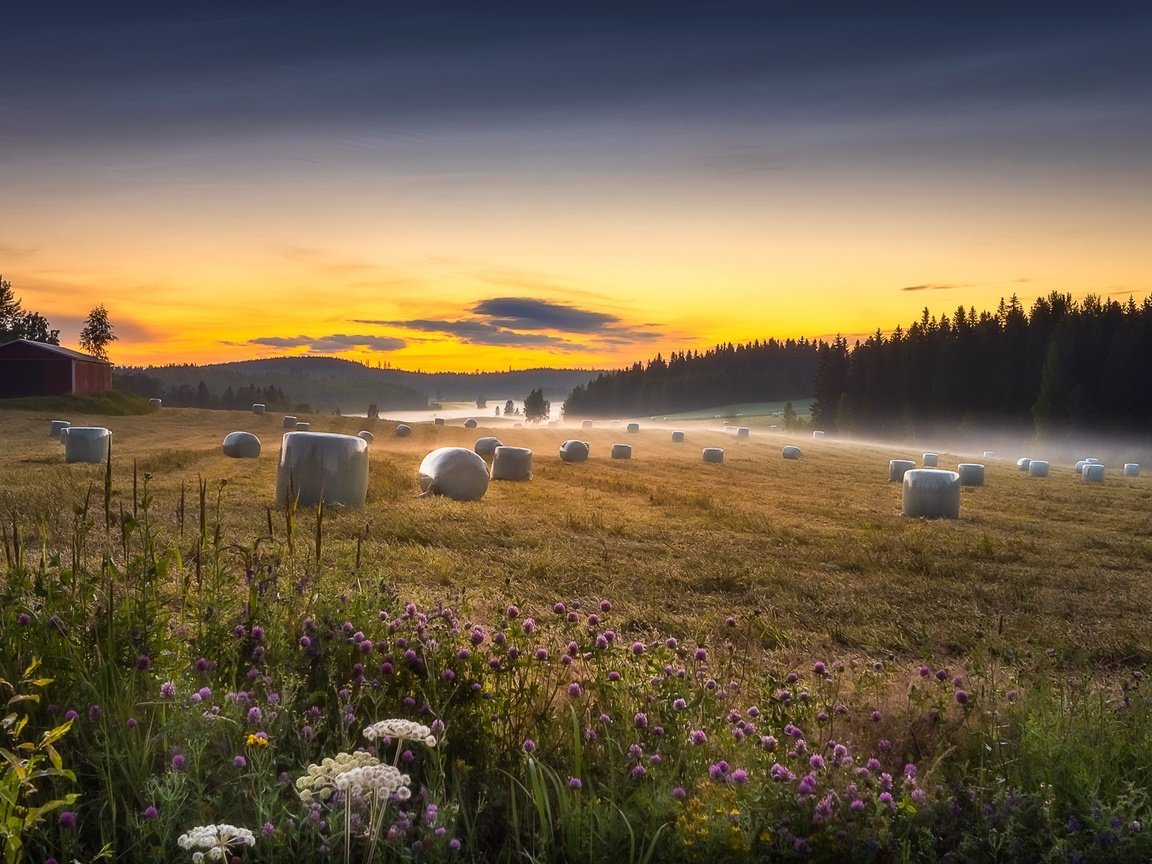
{"points": [[811, 556]]}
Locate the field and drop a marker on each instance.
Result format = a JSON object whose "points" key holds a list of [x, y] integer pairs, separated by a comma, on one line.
{"points": [[802, 575]]}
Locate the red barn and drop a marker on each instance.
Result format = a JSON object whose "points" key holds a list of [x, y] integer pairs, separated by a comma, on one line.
{"points": [[38, 369]]}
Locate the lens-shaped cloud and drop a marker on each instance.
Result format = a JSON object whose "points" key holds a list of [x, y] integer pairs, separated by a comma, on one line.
{"points": [[334, 344]]}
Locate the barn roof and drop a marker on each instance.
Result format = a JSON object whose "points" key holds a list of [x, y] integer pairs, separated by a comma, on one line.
{"points": [[56, 349]]}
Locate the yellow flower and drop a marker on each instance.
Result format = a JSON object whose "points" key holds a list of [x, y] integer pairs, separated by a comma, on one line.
{"points": [[256, 739]]}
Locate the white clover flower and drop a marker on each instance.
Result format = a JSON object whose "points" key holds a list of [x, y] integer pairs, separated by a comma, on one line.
{"points": [[218, 840], [401, 730]]}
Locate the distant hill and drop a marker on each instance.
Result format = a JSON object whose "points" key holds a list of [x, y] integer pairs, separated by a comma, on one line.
{"points": [[328, 383]]}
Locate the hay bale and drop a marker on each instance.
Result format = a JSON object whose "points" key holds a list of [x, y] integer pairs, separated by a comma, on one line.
{"points": [[743, 432], [574, 451], [773, 428], [403, 430], [713, 455], [989, 454], [633, 428], [621, 451], [64, 435], [159, 403], [585, 424], [439, 421], [470, 423], [259, 407], [241, 445], [512, 463], [790, 452], [971, 474], [303, 426], [1092, 461], [1079, 466], [57, 425], [289, 421], [1023, 462], [486, 447], [366, 435], [677, 437], [817, 434], [1037, 468], [1131, 469], [897, 468], [86, 444], [930, 493], [322, 466], [1093, 474], [930, 460], [455, 472]]}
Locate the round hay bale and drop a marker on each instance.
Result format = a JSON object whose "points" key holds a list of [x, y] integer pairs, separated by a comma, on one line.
{"points": [[621, 451], [1131, 469], [743, 432], [303, 426], [574, 451], [1079, 466], [439, 421], [1092, 461], [897, 468], [817, 434], [64, 434], [259, 407], [971, 474], [989, 454], [159, 403], [366, 435], [470, 423], [585, 424], [486, 447], [677, 437], [403, 430], [1093, 474], [773, 428], [289, 421], [512, 463], [86, 444], [455, 472], [930, 493], [1037, 468], [713, 455], [322, 466], [633, 428], [1023, 462], [241, 445], [930, 460], [57, 425], [790, 452]]}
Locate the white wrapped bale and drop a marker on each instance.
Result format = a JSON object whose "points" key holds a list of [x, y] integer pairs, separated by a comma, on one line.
{"points": [[1093, 474], [1023, 462], [989, 454], [1092, 461], [303, 426], [322, 466], [512, 463], [790, 452], [743, 432], [585, 424], [57, 425], [159, 403], [713, 455], [971, 474], [64, 435], [455, 472], [773, 428], [621, 451], [930, 460], [574, 451], [289, 421], [930, 493], [366, 435], [258, 407], [1079, 466], [1038, 468], [403, 430], [817, 435], [470, 423], [241, 445], [677, 437], [633, 428], [897, 468], [1131, 469], [86, 444], [486, 447]]}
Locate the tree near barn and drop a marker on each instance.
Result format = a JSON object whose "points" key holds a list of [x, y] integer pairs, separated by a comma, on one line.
{"points": [[97, 333], [536, 407], [15, 323]]}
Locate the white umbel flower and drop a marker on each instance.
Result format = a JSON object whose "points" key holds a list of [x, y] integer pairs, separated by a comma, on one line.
{"points": [[320, 780], [401, 730], [216, 840], [380, 780]]}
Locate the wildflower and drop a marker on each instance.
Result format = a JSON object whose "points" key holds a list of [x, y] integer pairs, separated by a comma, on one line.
{"points": [[132, 722], [559, 608], [886, 800], [401, 730], [513, 611], [528, 626], [857, 806], [781, 774], [179, 762], [793, 731], [1012, 695], [697, 737], [925, 671], [819, 668], [574, 690], [257, 739], [637, 648], [575, 783], [807, 784], [202, 664], [67, 819], [768, 742], [700, 655], [671, 643], [679, 704], [454, 844], [268, 830], [875, 716], [638, 772], [961, 697], [640, 721], [95, 712], [150, 813], [739, 777], [718, 770], [678, 793], [218, 841], [816, 761], [239, 761], [167, 690], [529, 746], [254, 715]]}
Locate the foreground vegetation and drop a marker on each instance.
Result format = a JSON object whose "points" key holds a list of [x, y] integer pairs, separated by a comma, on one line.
{"points": [[656, 660]]}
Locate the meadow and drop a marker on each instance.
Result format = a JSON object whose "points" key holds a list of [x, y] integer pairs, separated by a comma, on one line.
{"points": [[653, 660]]}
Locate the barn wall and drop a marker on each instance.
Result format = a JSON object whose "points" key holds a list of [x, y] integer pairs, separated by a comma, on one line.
{"points": [[92, 377], [39, 376]]}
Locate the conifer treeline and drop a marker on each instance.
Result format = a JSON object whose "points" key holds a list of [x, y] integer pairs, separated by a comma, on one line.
{"points": [[755, 372], [1060, 366], [201, 396]]}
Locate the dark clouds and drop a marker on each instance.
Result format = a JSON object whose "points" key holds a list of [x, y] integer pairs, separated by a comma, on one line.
{"points": [[334, 344], [930, 287], [524, 313]]}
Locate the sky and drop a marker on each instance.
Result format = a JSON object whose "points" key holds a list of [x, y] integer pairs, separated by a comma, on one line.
{"points": [[487, 185]]}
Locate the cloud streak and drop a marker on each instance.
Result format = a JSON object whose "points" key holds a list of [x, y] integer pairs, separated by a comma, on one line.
{"points": [[931, 287], [333, 344]]}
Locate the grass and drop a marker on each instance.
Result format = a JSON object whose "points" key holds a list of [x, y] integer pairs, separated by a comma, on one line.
{"points": [[111, 403], [769, 565]]}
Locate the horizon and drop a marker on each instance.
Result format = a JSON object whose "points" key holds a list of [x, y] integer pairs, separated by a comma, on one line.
{"points": [[463, 189]]}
